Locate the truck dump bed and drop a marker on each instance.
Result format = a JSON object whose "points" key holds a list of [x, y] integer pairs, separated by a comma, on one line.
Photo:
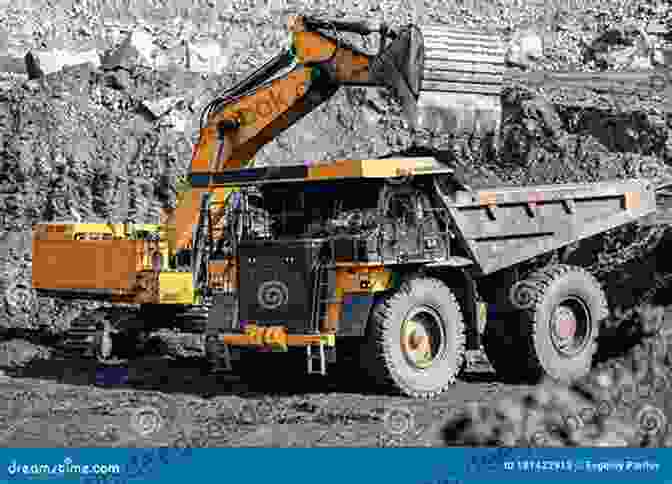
{"points": [[504, 226]]}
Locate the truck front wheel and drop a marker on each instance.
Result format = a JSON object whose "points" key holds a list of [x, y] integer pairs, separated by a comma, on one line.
{"points": [[416, 338]]}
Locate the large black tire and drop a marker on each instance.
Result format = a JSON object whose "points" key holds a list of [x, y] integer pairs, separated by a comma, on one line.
{"points": [[422, 316], [556, 332]]}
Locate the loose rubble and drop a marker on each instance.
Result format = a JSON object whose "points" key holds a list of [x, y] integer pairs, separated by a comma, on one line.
{"points": [[621, 47], [206, 57], [40, 64], [623, 402], [136, 49], [525, 48]]}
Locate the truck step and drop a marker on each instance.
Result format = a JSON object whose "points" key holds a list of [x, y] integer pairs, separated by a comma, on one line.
{"points": [[320, 357], [218, 354]]}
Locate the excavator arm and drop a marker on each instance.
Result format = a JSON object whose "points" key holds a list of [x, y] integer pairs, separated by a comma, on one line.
{"points": [[238, 123], [447, 79]]}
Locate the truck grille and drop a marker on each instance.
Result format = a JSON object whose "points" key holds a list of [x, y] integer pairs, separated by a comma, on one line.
{"points": [[276, 282]]}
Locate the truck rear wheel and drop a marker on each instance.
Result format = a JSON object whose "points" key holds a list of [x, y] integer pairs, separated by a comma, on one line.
{"points": [[416, 338], [557, 329]]}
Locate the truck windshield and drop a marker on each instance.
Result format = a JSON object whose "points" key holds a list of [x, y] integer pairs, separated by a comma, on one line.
{"points": [[318, 208]]}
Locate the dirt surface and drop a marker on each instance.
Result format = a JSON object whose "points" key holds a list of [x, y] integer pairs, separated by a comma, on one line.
{"points": [[158, 401], [78, 403]]}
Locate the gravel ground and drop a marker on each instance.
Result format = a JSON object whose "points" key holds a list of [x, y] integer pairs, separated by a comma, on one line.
{"points": [[64, 403], [168, 400]]}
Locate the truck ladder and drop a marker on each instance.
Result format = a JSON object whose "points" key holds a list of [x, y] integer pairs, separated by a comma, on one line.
{"points": [[320, 301]]}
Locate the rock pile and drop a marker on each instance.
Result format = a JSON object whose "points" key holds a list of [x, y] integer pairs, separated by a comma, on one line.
{"points": [[85, 143], [622, 403]]}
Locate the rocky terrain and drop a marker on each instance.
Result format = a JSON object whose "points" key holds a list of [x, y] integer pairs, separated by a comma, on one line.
{"points": [[106, 137]]}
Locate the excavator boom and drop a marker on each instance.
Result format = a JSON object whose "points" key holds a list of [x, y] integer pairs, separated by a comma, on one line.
{"points": [[446, 79], [286, 88]]}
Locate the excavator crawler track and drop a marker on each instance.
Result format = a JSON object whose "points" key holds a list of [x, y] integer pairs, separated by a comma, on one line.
{"points": [[85, 337], [123, 325], [193, 319]]}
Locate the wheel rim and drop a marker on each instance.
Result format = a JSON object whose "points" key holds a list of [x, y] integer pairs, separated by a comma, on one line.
{"points": [[570, 327], [422, 337]]}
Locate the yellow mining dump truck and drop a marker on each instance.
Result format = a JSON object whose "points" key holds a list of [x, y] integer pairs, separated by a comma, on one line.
{"points": [[389, 255], [392, 260]]}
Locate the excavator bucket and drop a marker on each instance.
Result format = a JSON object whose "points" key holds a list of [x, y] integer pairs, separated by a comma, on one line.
{"points": [[462, 81], [448, 79], [399, 66]]}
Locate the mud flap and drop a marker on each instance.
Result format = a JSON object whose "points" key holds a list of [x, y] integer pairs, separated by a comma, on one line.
{"points": [[355, 314]]}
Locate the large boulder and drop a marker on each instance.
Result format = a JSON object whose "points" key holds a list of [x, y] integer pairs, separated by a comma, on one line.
{"points": [[526, 47], [136, 49], [160, 107], [172, 57], [621, 47], [206, 57], [40, 63]]}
